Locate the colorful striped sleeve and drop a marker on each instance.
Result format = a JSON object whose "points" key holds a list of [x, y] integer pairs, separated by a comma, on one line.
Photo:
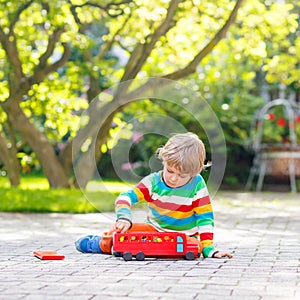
{"points": [[204, 215], [126, 200]]}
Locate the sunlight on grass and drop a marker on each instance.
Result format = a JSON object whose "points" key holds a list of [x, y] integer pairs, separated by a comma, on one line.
{"points": [[41, 183], [34, 195], [28, 183], [58, 200], [33, 183], [111, 186], [4, 182]]}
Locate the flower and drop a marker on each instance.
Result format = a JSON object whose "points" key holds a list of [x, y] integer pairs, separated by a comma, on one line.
{"points": [[128, 166], [271, 116], [281, 122], [277, 124], [276, 128]]}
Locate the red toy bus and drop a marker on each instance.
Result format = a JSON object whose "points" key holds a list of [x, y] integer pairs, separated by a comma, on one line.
{"points": [[153, 244]]}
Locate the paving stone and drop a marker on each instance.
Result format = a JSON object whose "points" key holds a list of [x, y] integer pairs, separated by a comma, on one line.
{"points": [[262, 234]]}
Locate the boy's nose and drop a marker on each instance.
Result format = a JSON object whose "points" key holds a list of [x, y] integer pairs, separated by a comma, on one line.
{"points": [[174, 177]]}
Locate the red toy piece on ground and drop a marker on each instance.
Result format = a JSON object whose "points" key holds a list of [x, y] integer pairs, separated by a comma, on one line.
{"points": [[153, 244], [48, 255]]}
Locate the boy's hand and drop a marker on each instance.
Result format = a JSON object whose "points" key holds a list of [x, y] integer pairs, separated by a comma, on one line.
{"points": [[122, 226], [222, 254]]}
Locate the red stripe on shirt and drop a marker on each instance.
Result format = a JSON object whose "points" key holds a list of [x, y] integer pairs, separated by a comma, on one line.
{"points": [[206, 236], [173, 206], [120, 201], [201, 201], [181, 207], [145, 191]]}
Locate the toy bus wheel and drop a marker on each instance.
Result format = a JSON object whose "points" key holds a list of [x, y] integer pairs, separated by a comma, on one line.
{"points": [[140, 256], [127, 256], [190, 255], [118, 254]]}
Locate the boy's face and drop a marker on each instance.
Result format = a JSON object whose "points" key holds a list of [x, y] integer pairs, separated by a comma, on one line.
{"points": [[173, 178]]}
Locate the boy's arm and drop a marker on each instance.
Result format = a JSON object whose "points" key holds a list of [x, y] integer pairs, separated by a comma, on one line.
{"points": [[126, 200], [123, 205], [206, 226], [205, 229], [205, 221]]}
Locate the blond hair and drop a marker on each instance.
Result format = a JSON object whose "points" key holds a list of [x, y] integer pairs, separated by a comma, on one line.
{"points": [[185, 152]]}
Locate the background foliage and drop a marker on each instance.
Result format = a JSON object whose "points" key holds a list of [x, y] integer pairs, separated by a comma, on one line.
{"points": [[55, 57]]}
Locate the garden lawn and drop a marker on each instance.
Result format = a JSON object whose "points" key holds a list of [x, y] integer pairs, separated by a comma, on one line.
{"points": [[34, 195]]}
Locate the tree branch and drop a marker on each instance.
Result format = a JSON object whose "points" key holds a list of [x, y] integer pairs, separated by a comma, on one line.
{"points": [[40, 73], [9, 45], [191, 67], [52, 40], [42, 70], [122, 46], [17, 15], [108, 45], [106, 8], [142, 51], [8, 42], [64, 58], [3, 149]]}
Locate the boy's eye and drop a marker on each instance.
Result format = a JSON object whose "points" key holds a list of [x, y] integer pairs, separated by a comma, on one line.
{"points": [[184, 176], [181, 176]]}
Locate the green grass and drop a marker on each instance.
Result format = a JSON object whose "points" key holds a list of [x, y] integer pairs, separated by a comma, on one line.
{"points": [[34, 195]]}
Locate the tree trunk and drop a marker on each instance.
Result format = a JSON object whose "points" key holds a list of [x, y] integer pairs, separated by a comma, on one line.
{"points": [[44, 151], [9, 159], [87, 163]]}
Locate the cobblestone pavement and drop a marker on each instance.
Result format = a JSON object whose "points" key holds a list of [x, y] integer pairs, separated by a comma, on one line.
{"points": [[262, 230]]}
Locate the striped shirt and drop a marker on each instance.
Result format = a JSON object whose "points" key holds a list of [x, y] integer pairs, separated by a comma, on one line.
{"points": [[186, 209]]}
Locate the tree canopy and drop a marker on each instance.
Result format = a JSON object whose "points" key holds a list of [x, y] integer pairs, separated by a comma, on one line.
{"points": [[57, 57]]}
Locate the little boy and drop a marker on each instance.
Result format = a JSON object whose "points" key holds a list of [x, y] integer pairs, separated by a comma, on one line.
{"points": [[177, 200]]}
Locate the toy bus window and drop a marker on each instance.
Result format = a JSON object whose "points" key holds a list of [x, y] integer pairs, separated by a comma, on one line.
{"points": [[179, 239], [168, 239], [133, 239], [122, 238], [179, 247], [156, 239]]}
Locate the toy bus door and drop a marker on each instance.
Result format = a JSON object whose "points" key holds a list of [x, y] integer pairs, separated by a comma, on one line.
{"points": [[179, 244]]}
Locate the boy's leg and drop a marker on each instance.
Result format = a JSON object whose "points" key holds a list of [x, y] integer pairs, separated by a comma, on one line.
{"points": [[194, 240], [106, 242], [106, 239], [142, 227], [89, 244]]}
